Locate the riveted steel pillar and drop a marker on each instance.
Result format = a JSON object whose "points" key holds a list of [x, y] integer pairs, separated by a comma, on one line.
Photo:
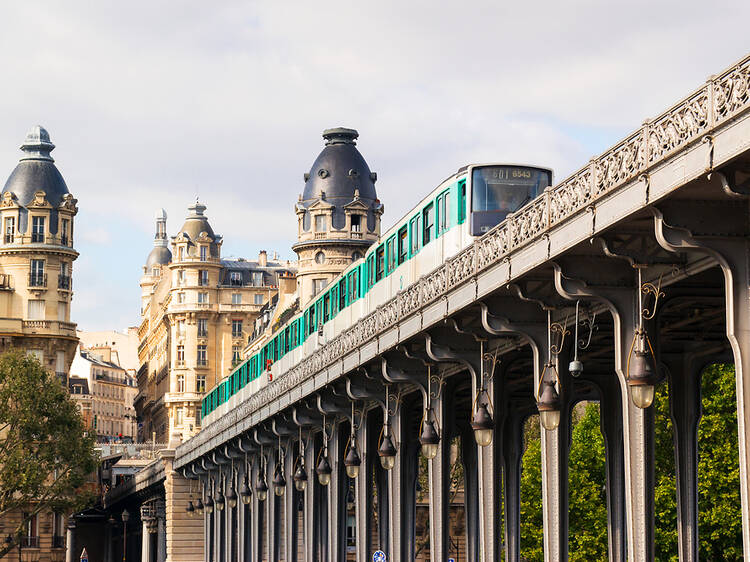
{"points": [[291, 499], [488, 483], [638, 424], [555, 446], [273, 509], [367, 438], [309, 500], [402, 485], [438, 470], [685, 408], [610, 412], [673, 229], [512, 452], [256, 514], [337, 496], [471, 497]]}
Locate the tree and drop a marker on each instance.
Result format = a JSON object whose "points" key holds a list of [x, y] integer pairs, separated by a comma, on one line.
{"points": [[45, 453]]}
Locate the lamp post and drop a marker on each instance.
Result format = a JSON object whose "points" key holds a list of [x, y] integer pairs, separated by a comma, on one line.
{"points": [[125, 517]]}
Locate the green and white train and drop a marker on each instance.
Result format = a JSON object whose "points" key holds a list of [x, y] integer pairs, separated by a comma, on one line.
{"points": [[463, 207]]}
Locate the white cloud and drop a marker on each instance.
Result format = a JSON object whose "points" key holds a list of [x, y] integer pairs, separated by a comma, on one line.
{"points": [[153, 103]]}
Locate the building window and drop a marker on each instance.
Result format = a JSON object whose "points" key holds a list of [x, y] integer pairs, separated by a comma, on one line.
{"points": [[236, 354], [181, 277], [320, 223], [236, 328], [178, 416], [36, 275], [258, 299], [236, 298], [257, 278], [202, 356], [180, 383], [36, 309], [180, 327], [180, 355], [200, 383], [62, 311], [180, 253], [37, 229], [10, 230], [320, 258], [64, 232], [203, 278], [356, 223], [235, 278], [30, 538], [356, 256], [180, 298], [202, 298], [202, 327], [204, 253], [318, 285]]}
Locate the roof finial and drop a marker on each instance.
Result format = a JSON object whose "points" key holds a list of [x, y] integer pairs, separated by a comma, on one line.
{"points": [[37, 145], [340, 135]]}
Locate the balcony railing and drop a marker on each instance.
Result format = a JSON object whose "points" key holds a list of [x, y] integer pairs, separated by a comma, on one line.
{"points": [[201, 362], [10, 238], [356, 235], [37, 237], [64, 282], [37, 279], [29, 542], [58, 541]]}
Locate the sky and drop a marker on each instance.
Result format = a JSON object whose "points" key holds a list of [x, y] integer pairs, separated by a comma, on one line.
{"points": [[154, 103]]}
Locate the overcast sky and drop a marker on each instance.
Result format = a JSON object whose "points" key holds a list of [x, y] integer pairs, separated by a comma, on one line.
{"points": [[154, 103]]}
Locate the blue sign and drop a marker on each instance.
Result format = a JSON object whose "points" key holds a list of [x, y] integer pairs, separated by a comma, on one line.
{"points": [[451, 560], [379, 556]]}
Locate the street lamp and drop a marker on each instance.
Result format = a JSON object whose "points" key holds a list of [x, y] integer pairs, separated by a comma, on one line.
{"points": [[387, 450], [429, 437], [641, 373], [125, 517], [324, 467], [547, 397], [352, 461], [300, 475], [481, 421]]}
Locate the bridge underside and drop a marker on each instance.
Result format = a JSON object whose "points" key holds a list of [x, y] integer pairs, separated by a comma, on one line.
{"points": [[486, 342]]}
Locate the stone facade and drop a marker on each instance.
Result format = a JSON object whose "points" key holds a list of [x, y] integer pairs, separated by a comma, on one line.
{"points": [[197, 313]]}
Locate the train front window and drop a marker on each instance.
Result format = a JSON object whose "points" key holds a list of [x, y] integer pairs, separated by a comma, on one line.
{"points": [[506, 188], [499, 190]]}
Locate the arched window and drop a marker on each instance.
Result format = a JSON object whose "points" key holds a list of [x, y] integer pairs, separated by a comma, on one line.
{"points": [[356, 256], [320, 258]]}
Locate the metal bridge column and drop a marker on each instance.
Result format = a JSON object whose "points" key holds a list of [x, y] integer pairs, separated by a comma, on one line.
{"points": [[309, 499], [291, 500], [337, 496], [512, 451], [396, 483], [731, 250], [471, 493], [685, 407], [638, 424], [438, 469], [367, 438]]}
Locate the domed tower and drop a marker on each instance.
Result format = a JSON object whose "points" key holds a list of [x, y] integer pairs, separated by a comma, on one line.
{"points": [[36, 257], [157, 259], [338, 213]]}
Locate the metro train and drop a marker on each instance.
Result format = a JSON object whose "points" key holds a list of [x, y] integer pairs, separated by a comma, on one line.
{"points": [[464, 206]]}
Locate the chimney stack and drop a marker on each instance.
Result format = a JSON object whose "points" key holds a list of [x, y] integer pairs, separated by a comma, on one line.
{"points": [[263, 258]]}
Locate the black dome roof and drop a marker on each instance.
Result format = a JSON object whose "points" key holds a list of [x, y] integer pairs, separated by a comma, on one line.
{"points": [[36, 171], [339, 170]]}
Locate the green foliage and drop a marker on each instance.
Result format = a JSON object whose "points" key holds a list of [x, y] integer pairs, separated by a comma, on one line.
{"points": [[720, 525], [531, 496], [45, 455], [719, 521], [587, 489]]}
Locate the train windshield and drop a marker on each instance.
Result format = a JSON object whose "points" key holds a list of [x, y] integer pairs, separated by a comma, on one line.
{"points": [[506, 188]]}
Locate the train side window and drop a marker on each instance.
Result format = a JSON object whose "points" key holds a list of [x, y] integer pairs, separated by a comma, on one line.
{"points": [[428, 221], [461, 215], [390, 250], [443, 210], [415, 232], [342, 294], [370, 270], [402, 244], [379, 263], [326, 307]]}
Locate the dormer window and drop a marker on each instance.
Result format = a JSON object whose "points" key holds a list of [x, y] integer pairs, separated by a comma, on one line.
{"points": [[235, 278], [320, 223], [356, 223], [10, 230], [37, 229], [180, 253], [155, 271], [204, 253]]}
